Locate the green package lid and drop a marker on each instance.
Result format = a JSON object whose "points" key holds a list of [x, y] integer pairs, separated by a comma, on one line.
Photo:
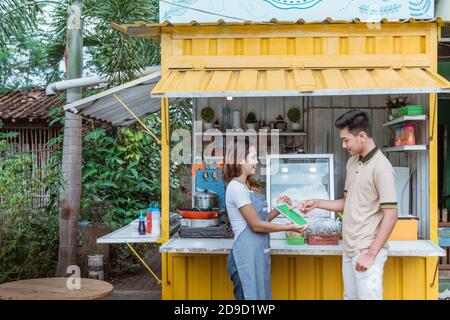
{"points": [[291, 214], [411, 110], [295, 241], [412, 107]]}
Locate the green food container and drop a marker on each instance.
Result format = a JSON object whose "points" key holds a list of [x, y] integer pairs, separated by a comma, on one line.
{"points": [[410, 110], [295, 241]]}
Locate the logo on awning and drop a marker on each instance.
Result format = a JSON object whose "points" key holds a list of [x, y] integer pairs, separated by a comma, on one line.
{"points": [[293, 4], [420, 8]]}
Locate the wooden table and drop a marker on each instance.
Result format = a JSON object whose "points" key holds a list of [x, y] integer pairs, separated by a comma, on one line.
{"points": [[54, 289]]}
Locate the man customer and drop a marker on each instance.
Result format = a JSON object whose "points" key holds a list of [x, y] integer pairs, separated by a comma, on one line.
{"points": [[369, 206]]}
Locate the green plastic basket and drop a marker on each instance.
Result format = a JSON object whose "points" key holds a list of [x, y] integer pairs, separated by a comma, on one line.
{"points": [[297, 241], [410, 110]]}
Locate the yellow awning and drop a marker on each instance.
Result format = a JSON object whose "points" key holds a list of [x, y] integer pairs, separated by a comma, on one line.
{"points": [[299, 82]]}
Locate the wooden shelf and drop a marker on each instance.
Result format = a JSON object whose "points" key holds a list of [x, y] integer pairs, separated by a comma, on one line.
{"points": [[219, 158], [444, 224], [405, 148], [405, 119]]}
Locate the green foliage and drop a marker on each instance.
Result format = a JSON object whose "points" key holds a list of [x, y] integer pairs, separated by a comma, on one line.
{"points": [[112, 56], [207, 114], [29, 245], [28, 234], [122, 170], [109, 52], [294, 114], [21, 61], [251, 118], [16, 17], [30, 56]]}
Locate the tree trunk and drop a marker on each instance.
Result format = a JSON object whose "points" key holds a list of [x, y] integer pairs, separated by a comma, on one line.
{"points": [[69, 210]]}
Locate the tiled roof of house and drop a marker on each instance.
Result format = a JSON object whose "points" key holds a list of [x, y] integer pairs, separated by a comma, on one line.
{"points": [[32, 104]]}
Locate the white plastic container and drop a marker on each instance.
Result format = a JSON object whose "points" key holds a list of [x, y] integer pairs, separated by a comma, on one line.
{"points": [[135, 227], [95, 267], [236, 120], [156, 222]]}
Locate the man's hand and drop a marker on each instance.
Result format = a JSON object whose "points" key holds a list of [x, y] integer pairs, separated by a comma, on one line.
{"points": [[307, 206], [364, 262]]}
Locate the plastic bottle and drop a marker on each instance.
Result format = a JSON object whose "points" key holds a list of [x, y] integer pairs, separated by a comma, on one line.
{"points": [[410, 139], [141, 228], [148, 228], [398, 137], [403, 135], [156, 221], [226, 118]]}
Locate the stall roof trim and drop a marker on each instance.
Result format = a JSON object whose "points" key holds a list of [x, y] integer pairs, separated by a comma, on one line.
{"points": [[153, 30], [299, 82], [135, 94]]}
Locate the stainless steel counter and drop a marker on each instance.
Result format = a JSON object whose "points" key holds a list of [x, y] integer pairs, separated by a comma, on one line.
{"points": [[413, 248]]}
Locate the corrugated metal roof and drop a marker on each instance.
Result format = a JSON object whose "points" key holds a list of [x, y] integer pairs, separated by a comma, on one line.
{"points": [[135, 94], [299, 82], [30, 104], [153, 30]]}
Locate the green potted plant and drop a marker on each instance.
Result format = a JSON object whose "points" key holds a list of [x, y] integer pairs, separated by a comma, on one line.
{"points": [[207, 115], [251, 120], [294, 116]]}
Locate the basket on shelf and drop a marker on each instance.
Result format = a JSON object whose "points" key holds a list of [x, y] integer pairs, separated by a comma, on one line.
{"points": [[295, 238], [323, 239], [295, 241]]}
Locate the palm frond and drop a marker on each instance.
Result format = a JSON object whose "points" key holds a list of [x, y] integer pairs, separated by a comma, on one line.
{"points": [[120, 57], [16, 16], [57, 35]]}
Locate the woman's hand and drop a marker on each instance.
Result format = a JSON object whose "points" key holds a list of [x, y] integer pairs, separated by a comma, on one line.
{"points": [[296, 228], [285, 199]]}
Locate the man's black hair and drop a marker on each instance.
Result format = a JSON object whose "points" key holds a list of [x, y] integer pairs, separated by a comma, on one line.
{"points": [[355, 121]]}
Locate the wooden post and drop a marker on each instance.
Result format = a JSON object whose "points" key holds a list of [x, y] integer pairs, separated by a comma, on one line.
{"points": [[165, 170]]}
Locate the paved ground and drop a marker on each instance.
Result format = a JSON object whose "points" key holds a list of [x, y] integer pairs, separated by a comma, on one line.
{"points": [[140, 285], [444, 289]]}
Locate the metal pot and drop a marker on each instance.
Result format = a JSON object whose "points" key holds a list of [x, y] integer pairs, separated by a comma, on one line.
{"points": [[199, 223], [205, 200]]}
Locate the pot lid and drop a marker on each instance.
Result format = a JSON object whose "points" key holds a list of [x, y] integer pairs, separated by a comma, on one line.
{"points": [[206, 194]]}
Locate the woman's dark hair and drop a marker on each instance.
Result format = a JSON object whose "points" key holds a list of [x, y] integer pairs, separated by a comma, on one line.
{"points": [[236, 151], [355, 121]]}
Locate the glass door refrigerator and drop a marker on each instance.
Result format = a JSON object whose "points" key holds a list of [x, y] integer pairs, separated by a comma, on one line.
{"points": [[300, 177]]}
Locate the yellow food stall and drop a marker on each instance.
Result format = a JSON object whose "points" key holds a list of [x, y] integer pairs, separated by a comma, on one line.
{"points": [[324, 69]]}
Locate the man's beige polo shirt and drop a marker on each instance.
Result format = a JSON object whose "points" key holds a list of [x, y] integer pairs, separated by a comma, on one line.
{"points": [[370, 186]]}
